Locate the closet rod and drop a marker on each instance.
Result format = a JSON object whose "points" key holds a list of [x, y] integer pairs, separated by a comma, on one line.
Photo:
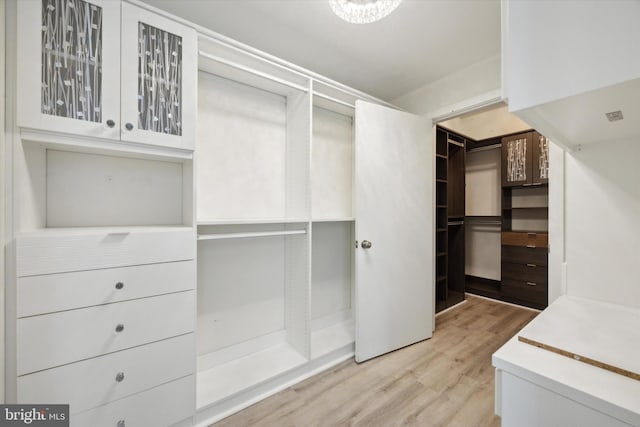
{"points": [[485, 148], [253, 71], [485, 222], [332, 99], [455, 223], [451, 141], [245, 235]]}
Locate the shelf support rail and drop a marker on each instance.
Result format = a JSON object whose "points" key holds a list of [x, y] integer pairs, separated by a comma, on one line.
{"points": [[252, 71]]}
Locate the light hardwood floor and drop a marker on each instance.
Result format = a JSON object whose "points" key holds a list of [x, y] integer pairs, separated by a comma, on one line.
{"points": [[444, 381]]}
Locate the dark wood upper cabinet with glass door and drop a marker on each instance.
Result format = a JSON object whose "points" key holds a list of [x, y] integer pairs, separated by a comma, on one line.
{"points": [[525, 159]]}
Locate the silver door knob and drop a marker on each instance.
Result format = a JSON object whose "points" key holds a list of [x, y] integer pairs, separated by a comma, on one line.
{"points": [[366, 244], [120, 327], [120, 377]]}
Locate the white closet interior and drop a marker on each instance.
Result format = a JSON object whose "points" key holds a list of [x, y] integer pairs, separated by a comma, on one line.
{"points": [[275, 223]]}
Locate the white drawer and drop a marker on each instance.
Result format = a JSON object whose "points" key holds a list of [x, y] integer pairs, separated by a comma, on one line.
{"points": [[65, 291], [159, 407], [90, 383], [64, 250], [56, 339]]}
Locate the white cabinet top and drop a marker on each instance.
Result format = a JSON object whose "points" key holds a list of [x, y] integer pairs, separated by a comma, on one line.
{"points": [[601, 331]]}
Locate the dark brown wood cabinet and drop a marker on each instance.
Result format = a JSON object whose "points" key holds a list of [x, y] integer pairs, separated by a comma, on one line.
{"points": [[525, 159]]}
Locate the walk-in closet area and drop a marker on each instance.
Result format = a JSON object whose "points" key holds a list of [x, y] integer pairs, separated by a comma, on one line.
{"points": [[491, 209]]}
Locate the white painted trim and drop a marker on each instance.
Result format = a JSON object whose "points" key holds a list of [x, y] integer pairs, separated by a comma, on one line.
{"points": [[487, 99], [245, 235]]}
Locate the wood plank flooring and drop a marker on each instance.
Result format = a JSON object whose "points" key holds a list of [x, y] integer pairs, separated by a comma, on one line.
{"points": [[445, 381]]}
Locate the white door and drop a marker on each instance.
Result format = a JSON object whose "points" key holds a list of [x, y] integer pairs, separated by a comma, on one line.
{"points": [[394, 211]]}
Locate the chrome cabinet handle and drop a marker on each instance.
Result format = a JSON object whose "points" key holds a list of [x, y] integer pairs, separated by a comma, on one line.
{"points": [[120, 377], [366, 244], [129, 126], [531, 265], [532, 284], [119, 327], [119, 285]]}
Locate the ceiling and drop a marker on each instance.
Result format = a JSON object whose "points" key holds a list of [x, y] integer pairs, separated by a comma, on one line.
{"points": [[420, 42]]}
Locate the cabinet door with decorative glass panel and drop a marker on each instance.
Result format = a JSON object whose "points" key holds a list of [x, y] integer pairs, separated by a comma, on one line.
{"points": [[68, 66], [159, 75], [525, 159], [106, 69]]}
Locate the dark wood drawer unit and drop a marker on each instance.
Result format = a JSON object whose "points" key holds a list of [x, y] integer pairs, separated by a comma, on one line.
{"points": [[531, 294], [524, 255], [524, 268], [525, 272]]}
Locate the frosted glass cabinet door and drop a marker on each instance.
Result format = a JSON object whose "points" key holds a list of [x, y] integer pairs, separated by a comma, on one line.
{"points": [[68, 66], [159, 76]]}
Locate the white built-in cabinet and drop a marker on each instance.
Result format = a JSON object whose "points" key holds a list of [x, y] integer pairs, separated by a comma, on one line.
{"points": [[101, 289], [105, 69]]}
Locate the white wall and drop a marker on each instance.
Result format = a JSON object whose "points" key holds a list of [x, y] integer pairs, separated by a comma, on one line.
{"points": [[476, 82], [2, 194], [578, 46], [602, 197]]}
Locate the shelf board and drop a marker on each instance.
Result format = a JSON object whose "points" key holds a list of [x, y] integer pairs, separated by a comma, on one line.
{"points": [[331, 338], [336, 219], [442, 156], [526, 207], [219, 236], [230, 378], [246, 221], [82, 231], [442, 181], [441, 254]]}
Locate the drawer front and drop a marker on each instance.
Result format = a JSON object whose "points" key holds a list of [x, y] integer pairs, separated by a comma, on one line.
{"points": [[90, 383], [524, 255], [159, 407], [525, 272], [55, 339], [65, 291], [533, 240], [536, 294], [55, 251]]}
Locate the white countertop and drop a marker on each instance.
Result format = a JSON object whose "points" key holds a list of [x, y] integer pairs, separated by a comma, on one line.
{"points": [[605, 332]]}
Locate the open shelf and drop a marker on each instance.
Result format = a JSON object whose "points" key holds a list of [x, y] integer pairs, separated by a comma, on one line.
{"points": [[227, 379], [331, 338], [247, 235]]}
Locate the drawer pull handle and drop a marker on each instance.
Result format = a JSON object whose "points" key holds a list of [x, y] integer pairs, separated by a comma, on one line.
{"points": [[532, 284], [120, 423], [119, 377], [119, 285], [119, 327], [531, 246], [531, 234], [531, 265]]}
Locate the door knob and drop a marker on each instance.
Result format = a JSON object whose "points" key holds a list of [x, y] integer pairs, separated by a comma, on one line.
{"points": [[111, 123], [366, 244], [129, 126]]}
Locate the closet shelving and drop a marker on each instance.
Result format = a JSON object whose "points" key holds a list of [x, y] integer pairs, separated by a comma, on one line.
{"points": [[450, 218], [275, 225]]}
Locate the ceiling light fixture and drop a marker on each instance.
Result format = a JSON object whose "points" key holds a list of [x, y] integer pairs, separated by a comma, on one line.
{"points": [[363, 11]]}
